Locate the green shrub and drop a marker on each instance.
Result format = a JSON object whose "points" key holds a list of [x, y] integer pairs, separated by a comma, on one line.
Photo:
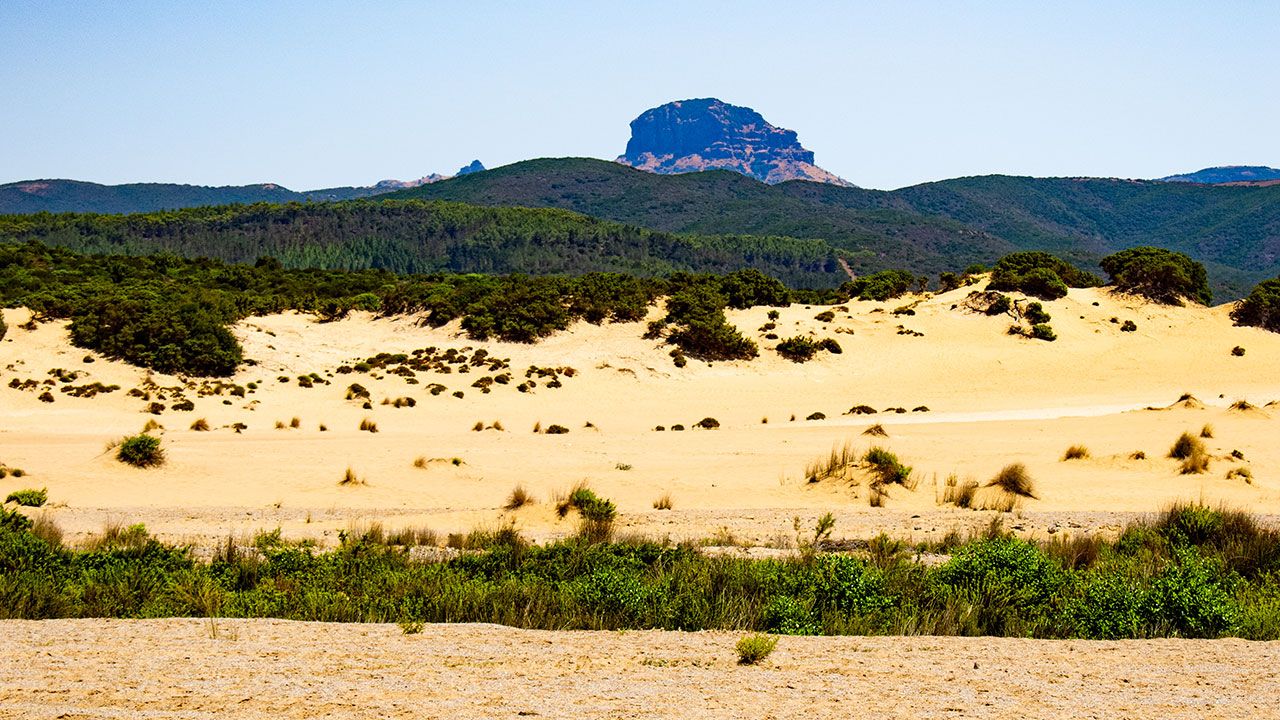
{"points": [[1160, 275], [750, 288], [29, 497], [1194, 596], [830, 345], [1036, 315], [1044, 332], [880, 286], [753, 649], [141, 451], [889, 470], [1260, 309], [1006, 570], [798, 349], [1038, 274]]}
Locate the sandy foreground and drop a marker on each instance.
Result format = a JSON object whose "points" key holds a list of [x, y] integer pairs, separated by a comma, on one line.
{"points": [[279, 669], [991, 399]]}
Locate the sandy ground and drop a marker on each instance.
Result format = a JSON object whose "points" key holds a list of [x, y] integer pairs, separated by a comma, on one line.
{"points": [[992, 399], [278, 669]]}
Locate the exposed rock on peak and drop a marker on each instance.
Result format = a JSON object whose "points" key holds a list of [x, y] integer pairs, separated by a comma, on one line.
{"points": [[475, 167], [709, 134]]}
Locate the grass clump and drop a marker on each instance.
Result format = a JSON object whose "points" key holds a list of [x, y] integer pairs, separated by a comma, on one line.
{"points": [[200, 425], [140, 451], [876, 430], [663, 502], [349, 478], [753, 649], [29, 497], [797, 349], [887, 468], [1076, 452], [1206, 431], [368, 425], [1014, 480], [1192, 452], [518, 498]]}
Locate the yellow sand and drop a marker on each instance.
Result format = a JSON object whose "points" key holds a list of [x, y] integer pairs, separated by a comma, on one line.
{"points": [[993, 399]]}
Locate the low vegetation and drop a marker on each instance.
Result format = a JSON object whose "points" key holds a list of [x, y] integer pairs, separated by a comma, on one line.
{"points": [[1261, 308], [1193, 571], [1160, 275], [753, 649], [1039, 275], [141, 451], [29, 497]]}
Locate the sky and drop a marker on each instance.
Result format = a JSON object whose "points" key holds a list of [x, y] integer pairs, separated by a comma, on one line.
{"points": [[887, 94]]}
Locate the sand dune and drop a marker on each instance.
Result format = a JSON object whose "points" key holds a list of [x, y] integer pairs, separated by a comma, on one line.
{"points": [[992, 399]]}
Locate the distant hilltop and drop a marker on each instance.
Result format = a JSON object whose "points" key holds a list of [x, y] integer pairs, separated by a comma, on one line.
{"points": [[1230, 175], [710, 134]]}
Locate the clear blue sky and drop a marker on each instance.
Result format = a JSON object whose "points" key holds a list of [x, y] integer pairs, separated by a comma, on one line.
{"points": [[313, 94]]}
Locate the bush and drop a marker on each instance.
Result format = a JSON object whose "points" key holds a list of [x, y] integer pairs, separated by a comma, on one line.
{"points": [[141, 451], [753, 649], [1237, 351], [798, 349], [880, 286], [1129, 326], [1044, 332], [1260, 309], [888, 469], [1160, 275], [749, 287], [1076, 452], [708, 423], [1036, 315], [1004, 570], [1038, 274], [28, 498]]}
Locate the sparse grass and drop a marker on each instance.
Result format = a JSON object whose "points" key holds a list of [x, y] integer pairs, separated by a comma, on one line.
{"points": [[1206, 431], [411, 537], [368, 425], [1184, 446], [1242, 405], [477, 427], [622, 466], [497, 425], [29, 497], [1014, 480], [753, 649], [151, 425], [115, 537], [280, 425], [836, 464], [1076, 452], [1137, 455], [141, 451], [876, 430], [663, 502], [295, 423], [518, 498], [350, 478], [420, 462], [1243, 473], [200, 425]]}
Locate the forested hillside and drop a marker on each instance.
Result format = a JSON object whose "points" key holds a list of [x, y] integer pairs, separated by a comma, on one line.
{"points": [[423, 237]]}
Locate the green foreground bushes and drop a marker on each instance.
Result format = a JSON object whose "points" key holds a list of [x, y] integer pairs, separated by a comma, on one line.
{"points": [[1194, 572]]}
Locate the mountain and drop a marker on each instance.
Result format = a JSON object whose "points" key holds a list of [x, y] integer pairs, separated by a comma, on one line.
{"points": [[475, 167], [1229, 174], [709, 134], [945, 225], [32, 196], [424, 237]]}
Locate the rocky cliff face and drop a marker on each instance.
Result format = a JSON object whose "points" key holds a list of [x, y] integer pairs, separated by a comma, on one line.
{"points": [[709, 134]]}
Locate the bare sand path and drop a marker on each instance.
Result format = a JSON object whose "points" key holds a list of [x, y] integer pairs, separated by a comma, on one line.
{"points": [[279, 669]]}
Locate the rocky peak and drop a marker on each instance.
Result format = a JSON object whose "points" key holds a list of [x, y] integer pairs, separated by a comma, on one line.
{"points": [[475, 167], [709, 134]]}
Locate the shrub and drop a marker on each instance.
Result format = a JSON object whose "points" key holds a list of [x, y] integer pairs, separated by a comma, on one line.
{"points": [[798, 349], [411, 627], [876, 430], [556, 430], [888, 469], [1043, 332], [350, 478], [28, 498], [708, 423], [1238, 351], [663, 502], [1260, 309], [1076, 452], [1129, 326], [1194, 596], [1015, 480], [1160, 275], [1004, 570], [1038, 274], [816, 416], [880, 286], [753, 649], [1036, 315], [1206, 431], [368, 425], [1185, 446], [142, 451], [830, 345]]}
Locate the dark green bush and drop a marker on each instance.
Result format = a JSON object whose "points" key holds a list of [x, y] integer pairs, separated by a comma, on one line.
{"points": [[880, 286], [29, 497], [1036, 315], [1163, 276], [1038, 274], [1260, 309], [798, 349], [1043, 331]]}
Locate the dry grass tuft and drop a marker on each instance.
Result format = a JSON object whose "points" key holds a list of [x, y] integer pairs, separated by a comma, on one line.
{"points": [[519, 498], [1076, 452], [1206, 431], [152, 425], [1243, 473], [200, 425], [350, 478], [876, 430], [663, 503], [1014, 480], [836, 464], [368, 425]]}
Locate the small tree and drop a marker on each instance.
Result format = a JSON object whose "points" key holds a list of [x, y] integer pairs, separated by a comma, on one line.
{"points": [[1260, 309]]}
